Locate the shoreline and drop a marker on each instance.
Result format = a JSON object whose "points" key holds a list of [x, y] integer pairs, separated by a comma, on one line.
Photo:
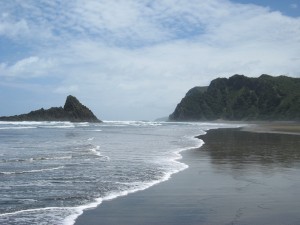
{"points": [[90, 216], [73, 219], [127, 209], [278, 127], [291, 127]]}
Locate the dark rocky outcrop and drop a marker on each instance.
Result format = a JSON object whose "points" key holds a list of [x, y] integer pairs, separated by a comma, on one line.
{"points": [[242, 98], [72, 111]]}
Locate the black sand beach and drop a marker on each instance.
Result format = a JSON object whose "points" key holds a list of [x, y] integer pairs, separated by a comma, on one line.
{"points": [[236, 177]]}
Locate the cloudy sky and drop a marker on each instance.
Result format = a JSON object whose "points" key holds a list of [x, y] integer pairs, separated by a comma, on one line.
{"points": [[135, 59]]}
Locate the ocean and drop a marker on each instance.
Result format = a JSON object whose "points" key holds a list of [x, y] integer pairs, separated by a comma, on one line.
{"points": [[50, 172]]}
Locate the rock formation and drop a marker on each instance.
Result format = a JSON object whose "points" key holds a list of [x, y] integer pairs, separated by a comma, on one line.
{"points": [[72, 111]]}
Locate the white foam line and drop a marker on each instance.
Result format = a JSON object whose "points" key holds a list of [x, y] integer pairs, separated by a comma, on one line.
{"points": [[131, 123], [21, 122], [70, 220], [35, 122], [59, 157], [33, 210], [58, 126], [32, 171], [35, 159], [97, 130], [16, 128]]}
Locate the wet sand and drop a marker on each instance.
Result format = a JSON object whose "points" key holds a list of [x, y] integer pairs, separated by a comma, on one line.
{"points": [[237, 177], [291, 127]]}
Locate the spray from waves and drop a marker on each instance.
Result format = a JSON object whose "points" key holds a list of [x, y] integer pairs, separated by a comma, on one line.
{"points": [[31, 171], [95, 151]]}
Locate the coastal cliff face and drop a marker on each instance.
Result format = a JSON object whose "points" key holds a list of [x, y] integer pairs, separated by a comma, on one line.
{"points": [[72, 111], [242, 98]]}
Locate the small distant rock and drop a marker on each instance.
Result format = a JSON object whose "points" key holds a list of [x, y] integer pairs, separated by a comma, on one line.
{"points": [[72, 111]]}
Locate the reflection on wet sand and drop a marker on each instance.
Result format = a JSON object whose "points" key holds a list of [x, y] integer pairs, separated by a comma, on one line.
{"points": [[241, 150], [255, 174]]}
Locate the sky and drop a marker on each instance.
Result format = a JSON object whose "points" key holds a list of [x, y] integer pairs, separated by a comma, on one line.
{"points": [[136, 59]]}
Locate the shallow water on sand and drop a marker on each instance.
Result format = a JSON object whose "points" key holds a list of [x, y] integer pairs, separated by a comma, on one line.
{"points": [[235, 178]]}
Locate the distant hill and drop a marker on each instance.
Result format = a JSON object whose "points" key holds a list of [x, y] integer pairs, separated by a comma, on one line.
{"points": [[162, 119], [242, 98], [72, 111]]}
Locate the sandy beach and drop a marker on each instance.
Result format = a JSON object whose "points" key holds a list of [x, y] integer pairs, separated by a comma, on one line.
{"points": [[236, 177], [284, 127]]}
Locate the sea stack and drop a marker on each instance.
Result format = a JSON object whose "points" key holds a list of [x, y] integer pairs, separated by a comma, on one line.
{"points": [[72, 111]]}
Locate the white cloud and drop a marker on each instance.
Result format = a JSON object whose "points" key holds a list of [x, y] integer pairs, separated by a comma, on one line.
{"points": [[24, 63], [29, 67], [136, 59], [13, 29]]}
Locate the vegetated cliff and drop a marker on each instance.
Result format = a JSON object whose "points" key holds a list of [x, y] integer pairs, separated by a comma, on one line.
{"points": [[242, 98], [72, 111]]}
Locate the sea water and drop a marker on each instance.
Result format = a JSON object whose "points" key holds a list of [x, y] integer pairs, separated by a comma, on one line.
{"points": [[51, 171]]}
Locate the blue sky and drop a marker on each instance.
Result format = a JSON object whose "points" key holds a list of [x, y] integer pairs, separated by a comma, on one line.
{"points": [[286, 7], [136, 59]]}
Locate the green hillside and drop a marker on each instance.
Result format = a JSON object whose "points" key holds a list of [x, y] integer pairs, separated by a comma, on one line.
{"points": [[242, 98]]}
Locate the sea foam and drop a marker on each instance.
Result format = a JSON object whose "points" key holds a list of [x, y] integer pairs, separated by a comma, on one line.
{"points": [[31, 171]]}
